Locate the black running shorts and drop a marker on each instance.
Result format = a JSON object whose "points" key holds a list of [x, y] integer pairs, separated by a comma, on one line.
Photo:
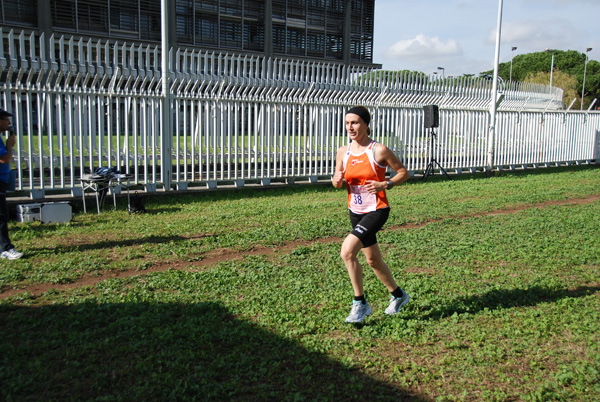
{"points": [[366, 226]]}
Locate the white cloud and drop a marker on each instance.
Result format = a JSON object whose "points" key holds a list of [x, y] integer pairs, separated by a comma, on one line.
{"points": [[565, 2], [422, 47], [538, 35], [461, 34]]}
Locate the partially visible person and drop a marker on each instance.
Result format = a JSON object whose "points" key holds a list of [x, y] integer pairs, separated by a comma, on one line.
{"points": [[7, 249], [362, 163]]}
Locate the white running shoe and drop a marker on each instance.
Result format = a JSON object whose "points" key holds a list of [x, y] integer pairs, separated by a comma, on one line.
{"points": [[359, 312], [11, 254], [396, 303]]}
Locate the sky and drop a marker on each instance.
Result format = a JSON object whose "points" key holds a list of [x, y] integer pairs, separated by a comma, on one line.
{"points": [[460, 35]]}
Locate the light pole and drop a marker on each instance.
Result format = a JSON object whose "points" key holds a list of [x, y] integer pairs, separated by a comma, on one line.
{"points": [[166, 123], [551, 65], [494, 101], [584, 71], [511, 59], [443, 71]]}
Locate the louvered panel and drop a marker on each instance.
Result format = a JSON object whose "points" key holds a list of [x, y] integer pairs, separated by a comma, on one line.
{"points": [[316, 15], [336, 6], [150, 19], [231, 7], [361, 31], [254, 25], [296, 41], [334, 45], [19, 12], [64, 15], [313, 28], [279, 39], [207, 6], [92, 16], [315, 43], [279, 16], [184, 19], [124, 18], [206, 22], [279, 11], [231, 32], [206, 30]]}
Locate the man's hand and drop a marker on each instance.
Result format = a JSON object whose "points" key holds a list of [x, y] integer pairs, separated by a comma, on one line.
{"points": [[11, 140]]}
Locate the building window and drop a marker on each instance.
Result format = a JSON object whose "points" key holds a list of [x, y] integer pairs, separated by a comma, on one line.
{"points": [[123, 18], [313, 28], [234, 24], [278, 38], [231, 7], [361, 31], [231, 34], [64, 14], [138, 19], [19, 12], [150, 20], [254, 36], [315, 44], [92, 16], [334, 47], [296, 42], [207, 31]]}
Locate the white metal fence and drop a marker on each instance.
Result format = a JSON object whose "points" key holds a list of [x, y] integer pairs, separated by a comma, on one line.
{"points": [[79, 104]]}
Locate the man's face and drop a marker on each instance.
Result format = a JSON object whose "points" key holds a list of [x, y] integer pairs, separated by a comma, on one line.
{"points": [[4, 123]]}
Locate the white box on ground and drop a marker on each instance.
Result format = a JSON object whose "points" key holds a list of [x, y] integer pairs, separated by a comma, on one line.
{"points": [[29, 208], [29, 217], [56, 212], [51, 212]]}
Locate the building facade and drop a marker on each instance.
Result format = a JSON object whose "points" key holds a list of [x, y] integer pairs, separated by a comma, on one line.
{"points": [[329, 30]]}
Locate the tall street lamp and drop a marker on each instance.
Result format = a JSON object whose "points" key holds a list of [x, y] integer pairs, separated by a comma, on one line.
{"points": [[511, 59], [584, 71], [495, 100], [551, 65], [443, 71]]}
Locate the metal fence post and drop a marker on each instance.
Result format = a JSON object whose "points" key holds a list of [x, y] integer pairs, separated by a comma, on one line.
{"points": [[166, 126]]}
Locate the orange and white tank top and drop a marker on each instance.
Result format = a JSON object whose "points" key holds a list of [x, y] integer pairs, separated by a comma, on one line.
{"points": [[359, 169]]}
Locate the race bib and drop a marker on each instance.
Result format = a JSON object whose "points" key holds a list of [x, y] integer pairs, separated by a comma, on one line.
{"points": [[361, 201]]}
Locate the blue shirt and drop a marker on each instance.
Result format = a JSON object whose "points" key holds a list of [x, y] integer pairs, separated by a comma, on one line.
{"points": [[4, 167]]}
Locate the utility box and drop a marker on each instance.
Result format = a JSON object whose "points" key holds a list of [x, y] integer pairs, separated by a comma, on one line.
{"points": [[29, 212], [48, 212], [56, 212]]}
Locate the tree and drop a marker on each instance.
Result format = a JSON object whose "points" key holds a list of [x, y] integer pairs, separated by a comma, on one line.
{"points": [[592, 83], [567, 82], [571, 62]]}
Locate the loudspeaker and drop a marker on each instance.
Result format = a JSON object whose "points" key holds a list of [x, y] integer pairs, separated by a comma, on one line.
{"points": [[432, 116]]}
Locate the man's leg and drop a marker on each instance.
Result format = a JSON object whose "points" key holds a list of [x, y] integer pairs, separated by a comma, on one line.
{"points": [[5, 243]]}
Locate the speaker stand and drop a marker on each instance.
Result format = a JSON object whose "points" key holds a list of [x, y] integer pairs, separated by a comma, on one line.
{"points": [[432, 161]]}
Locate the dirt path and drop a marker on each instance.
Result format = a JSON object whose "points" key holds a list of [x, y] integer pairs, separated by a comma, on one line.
{"points": [[219, 255]]}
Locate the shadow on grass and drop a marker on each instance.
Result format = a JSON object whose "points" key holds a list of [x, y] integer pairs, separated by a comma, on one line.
{"points": [[109, 244], [158, 351], [500, 299]]}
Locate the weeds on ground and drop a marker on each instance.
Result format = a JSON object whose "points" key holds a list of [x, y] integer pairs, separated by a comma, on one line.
{"points": [[503, 273]]}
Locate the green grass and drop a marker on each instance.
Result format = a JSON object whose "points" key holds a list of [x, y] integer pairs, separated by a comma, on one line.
{"points": [[503, 274]]}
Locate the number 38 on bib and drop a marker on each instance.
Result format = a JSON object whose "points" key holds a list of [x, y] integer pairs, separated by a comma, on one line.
{"points": [[361, 201]]}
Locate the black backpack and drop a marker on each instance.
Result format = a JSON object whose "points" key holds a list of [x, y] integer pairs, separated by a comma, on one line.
{"points": [[136, 204]]}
